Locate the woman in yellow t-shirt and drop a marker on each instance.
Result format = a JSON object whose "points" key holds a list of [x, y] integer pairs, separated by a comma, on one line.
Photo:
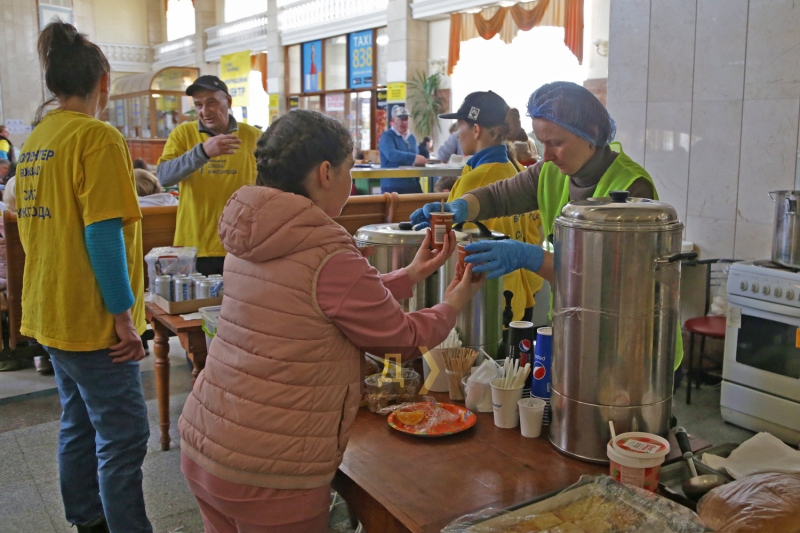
{"points": [[484, 122], [82, 293]]}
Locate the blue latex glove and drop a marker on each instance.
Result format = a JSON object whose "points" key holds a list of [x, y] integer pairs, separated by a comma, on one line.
{"points": [[502, 257], [421, 218]]}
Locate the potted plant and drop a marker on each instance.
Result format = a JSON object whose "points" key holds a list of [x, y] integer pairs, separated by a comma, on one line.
{"points": [[426, 104]]}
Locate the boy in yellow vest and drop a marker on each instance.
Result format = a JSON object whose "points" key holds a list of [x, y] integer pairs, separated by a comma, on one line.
{"points": [[579, 163], [211, 158]]}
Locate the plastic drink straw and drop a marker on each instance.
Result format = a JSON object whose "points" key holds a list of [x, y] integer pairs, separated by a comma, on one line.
{"points": [[611, 427], [442, 206]]}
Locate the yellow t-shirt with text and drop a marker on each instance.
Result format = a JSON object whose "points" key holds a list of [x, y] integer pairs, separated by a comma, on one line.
{"points": [[523, 283], [74, 170], [205, 192]]}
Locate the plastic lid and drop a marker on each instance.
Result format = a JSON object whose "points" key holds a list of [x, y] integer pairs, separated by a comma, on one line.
{"points": [[391, 234], [641, 444], [618, 210]]}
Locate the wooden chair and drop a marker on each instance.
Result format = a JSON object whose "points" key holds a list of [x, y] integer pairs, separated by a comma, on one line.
{"points": [[158, 226], [363, 210], [15, 262], [405, 204], [706, 326]]}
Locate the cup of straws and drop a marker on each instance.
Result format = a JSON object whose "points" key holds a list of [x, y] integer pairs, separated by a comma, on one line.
{"points": [[458, 363]]}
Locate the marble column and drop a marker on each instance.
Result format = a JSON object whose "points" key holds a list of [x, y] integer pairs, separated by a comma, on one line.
{"points": [[205, 16], [276, 66], [408, 44]]}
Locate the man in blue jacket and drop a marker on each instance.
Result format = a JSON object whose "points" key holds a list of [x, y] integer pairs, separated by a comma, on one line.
{"points": [[399, 148]]}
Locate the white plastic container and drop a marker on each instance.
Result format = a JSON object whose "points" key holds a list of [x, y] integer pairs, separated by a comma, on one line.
{"points": [[531, 412], [210, 318], [504, 405], [636, 459]]}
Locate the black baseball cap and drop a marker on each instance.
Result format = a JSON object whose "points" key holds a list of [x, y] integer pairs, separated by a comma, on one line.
{"points": [[210, 83], [485, 108]]}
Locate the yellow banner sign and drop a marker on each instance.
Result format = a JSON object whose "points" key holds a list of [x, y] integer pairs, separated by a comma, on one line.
{"points": [[235, 72], [274, 101], [396, 92]]}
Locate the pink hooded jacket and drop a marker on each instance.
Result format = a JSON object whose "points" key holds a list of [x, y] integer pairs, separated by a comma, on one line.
{"points": [[281, 386]]}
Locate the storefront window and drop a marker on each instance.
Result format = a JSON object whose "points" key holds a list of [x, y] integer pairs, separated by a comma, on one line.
{"points": [[336, 63], [295, 79], [382, 42], [311, 103]]}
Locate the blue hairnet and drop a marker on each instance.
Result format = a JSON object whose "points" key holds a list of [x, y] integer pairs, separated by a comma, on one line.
{"points": [[575, 109]]}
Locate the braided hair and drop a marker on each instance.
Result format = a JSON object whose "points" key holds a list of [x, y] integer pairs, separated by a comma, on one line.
{"points": [[296, 143]]}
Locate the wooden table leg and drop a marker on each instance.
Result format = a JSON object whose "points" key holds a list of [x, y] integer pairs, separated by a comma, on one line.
{"points": [[161, 349], [195, 345]]}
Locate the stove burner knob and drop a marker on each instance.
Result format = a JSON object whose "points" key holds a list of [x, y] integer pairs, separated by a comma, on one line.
{"points": [[743, 285], [754, 287], [765, 290], [790, 294], [777, 292]]}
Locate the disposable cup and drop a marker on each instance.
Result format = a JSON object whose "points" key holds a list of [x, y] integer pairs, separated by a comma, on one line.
{"points": [[439, 384], [456, 387], [531, 411], [504, 404], [636, 458], [441, 224]]}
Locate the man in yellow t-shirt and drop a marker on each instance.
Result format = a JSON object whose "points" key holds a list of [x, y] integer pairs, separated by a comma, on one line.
{"points": [[211, 158]]}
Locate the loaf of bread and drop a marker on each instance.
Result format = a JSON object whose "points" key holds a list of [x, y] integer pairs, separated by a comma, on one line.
{"points": [[761, 503]]}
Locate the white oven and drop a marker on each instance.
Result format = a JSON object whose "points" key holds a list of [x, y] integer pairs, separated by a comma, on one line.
{"points": [[761, 367]]}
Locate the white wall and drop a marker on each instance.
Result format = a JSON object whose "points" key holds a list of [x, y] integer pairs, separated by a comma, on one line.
{"points": [[706, 95], [120, 21], [596, 26]]}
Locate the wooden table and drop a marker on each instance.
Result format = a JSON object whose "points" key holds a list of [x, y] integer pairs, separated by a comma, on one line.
{"points": [[193, 340], [395, 482]]}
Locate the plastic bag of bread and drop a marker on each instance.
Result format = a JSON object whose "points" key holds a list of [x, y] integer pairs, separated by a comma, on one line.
{"points": [[761, 503]]}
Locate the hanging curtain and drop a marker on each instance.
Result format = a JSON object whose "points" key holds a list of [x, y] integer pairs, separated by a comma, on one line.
{"points": [[507, 22], [259, 62], [573, 29]]}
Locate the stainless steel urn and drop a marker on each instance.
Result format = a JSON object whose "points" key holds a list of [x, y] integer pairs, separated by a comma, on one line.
{"points": [[480, 323], [395, 248], [616, 308], [786, 233]]}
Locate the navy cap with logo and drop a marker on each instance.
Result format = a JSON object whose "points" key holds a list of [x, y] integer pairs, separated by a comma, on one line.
{"points": [[485, 108], [209, 83]]}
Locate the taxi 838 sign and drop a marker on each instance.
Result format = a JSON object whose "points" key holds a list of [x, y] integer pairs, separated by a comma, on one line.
{"points": [[235, 72], [361, 54]]}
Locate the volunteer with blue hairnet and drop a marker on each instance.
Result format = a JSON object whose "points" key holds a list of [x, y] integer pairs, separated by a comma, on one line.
{"points": [[575, 129]]}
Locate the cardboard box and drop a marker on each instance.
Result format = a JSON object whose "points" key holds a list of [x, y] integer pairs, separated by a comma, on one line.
{"points": [[187, 306]]}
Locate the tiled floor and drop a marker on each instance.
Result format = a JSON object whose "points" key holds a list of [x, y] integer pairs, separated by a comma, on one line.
{"points": [[30, 500]]}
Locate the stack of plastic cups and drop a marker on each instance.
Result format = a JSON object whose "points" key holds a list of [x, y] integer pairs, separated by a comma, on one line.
{"points": [[542, 366]]}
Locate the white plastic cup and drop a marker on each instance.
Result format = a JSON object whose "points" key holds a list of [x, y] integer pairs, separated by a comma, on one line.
{"points": [[440, 383], [531, 412], [504, 404], [636, 458]]}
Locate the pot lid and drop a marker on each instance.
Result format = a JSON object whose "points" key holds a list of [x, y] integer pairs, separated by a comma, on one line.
{"points": [[396, 234], [478, 232], [618, 210]]}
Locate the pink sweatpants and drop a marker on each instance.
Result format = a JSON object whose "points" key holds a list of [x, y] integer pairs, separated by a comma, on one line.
{"points": [[228, 507]]}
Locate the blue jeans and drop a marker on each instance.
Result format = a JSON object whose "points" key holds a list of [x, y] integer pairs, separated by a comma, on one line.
{"points": [[103, 440]]}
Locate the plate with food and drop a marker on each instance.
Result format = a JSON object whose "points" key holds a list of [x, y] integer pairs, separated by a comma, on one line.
{"points": [[427, 419]]}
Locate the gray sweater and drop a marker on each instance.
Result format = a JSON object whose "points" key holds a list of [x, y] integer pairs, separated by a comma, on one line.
{"points": [[519, 194]]}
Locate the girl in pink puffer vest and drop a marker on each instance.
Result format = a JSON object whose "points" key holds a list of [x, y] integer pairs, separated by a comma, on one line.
{"points": [[269, 417]]}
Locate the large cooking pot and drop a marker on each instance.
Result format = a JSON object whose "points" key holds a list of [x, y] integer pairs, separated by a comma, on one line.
{"points": [[786, 233], [616, 295], [480, 323], [395, 248]]}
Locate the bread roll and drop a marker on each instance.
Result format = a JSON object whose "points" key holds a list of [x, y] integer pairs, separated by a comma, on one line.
{"points": [[761, 503]]}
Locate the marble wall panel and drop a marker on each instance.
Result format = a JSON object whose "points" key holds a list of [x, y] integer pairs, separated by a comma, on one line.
{"points": [[773, 50], [631, 124], [753, 240], [714, 159], [713, 237], [628, 50], [671, 54], [720, 49]]}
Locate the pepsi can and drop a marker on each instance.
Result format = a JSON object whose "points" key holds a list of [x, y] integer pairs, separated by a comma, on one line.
{"points": [[520, 345], [541, 369]]}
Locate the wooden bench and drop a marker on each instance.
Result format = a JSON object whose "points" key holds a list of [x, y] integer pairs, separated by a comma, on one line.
{"points": [[15, 263]]}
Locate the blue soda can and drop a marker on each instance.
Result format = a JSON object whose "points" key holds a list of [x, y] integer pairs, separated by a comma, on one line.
{"points": [[542, 363]]}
